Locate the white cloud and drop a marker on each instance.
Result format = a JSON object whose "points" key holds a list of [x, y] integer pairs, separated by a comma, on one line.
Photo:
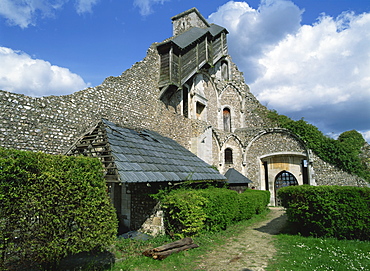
{"points": [[20, 73], [326, 65], [25, 13], [366, 135], [83, 6], [252, 32], [145, 6], [320, 72]]}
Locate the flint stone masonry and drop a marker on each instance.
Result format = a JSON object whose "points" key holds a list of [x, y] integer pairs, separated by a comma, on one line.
{"points": [[133, 99], [51, 124], [327, 174]]}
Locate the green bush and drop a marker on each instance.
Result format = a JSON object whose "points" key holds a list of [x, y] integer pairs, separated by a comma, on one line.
{"points": [[52, 206], [184, 213], [221, 208], [191, 211], [252, 202], [329, 211]]}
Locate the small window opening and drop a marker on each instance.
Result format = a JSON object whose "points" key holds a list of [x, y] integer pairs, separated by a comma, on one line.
{"points": [[224, 70], [185, 101], [227, 120], [199, 109], [228, 156]]}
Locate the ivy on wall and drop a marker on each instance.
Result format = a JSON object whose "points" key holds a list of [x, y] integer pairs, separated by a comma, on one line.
{"points": [[343, 152]]}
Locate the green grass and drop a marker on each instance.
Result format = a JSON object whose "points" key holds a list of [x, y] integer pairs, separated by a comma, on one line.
{"points": [[308, 253], [129, 252], [295, 252]]}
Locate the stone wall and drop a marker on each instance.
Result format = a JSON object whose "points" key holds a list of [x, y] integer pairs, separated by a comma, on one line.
{"points": [[231, 99], [233, 143], [327, 174], [142, 204], [51, 124]]}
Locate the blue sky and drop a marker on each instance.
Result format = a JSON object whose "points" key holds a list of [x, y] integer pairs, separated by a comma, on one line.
{"points": [[303, 58]]}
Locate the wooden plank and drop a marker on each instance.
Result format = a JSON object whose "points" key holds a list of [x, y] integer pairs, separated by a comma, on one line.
{"points": [[179, 243], [162, 252]]}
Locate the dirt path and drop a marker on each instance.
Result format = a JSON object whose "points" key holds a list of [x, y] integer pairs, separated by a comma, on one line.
{"points": [[249, 251]]}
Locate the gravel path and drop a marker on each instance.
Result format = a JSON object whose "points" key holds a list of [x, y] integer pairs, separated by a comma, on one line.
{"points": [[249, 251]]}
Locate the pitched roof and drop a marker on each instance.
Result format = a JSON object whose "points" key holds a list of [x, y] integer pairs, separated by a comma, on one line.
{"points": [[189, 37], [235, 177], [146, 156], [193, 34]]}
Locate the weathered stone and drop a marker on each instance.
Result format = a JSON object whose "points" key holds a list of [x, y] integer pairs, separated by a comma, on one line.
{"points": [[51, 124]]}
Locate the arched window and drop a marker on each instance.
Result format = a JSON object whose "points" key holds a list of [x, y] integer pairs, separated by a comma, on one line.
{"points": [[227, 119], [285, 178], [228, 156]]}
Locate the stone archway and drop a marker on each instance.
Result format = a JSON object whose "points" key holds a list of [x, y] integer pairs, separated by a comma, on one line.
{"points": [[283, 179]]}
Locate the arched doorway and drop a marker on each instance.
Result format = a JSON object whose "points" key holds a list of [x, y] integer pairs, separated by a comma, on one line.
{"points": [[284, 178]]}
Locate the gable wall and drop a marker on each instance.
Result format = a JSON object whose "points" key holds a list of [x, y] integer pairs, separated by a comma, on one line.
{"points": [[211, 95], [231, 99], [273, 142]]}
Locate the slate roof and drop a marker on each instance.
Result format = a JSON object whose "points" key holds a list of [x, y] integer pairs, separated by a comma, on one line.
{"points": [[146, 156], [189, 37], [195, 33], [235, 177]]}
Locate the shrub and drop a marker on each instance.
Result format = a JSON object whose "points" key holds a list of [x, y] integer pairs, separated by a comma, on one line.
{"points": [[328, 211], [221, 207], [52, 206], [184, 214], [191, 211], [252, 202]]}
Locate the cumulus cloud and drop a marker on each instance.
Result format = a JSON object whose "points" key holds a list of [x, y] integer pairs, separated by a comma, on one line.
{"points": [[253, 32], [145, 6], [26, 13], [320, 72], [39, 77], [325, 66]]}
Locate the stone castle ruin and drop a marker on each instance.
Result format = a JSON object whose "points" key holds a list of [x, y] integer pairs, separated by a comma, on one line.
{"points": [[187, 88]]}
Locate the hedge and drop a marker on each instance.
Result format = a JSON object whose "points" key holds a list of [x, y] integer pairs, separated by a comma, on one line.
{"points": [[52, 206], [191, 211], [342, 212]]}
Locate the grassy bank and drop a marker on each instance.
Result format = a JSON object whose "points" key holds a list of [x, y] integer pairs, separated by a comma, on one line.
{"points": [[308, 253]]}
